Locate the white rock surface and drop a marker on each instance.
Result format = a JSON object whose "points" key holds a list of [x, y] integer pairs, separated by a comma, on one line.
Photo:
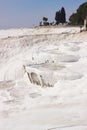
{"points": [[26, 106]]}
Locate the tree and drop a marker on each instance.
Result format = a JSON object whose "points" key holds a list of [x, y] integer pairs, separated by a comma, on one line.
{"points": [[63, 15], [74, 19], [82, 11], [60, 16], [80, 15], [45, 19]]}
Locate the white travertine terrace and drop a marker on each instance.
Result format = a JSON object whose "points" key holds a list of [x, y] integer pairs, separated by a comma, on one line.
{"points": [[43, 79]]}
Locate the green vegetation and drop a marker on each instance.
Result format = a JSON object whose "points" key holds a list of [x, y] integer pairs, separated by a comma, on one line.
{"points": [[45, 19], [75, 19], [60, 16], [78, 17]]}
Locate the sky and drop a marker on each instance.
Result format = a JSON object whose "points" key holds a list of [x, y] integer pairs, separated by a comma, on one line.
{"points": [[28, 13]]}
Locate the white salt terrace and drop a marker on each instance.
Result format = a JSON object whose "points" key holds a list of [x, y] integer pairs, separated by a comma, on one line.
{"points": [[53, 56], [47, 74], [43, 79]]}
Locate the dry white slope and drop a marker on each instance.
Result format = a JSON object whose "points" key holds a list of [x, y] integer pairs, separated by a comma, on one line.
{"points": [[31, 107]]}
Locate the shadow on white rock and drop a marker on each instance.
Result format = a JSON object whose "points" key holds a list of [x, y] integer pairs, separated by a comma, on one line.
{"points": [[48, 74]]}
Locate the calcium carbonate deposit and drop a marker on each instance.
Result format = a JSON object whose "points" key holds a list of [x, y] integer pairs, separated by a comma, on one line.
{"points": [[43, 79]]}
